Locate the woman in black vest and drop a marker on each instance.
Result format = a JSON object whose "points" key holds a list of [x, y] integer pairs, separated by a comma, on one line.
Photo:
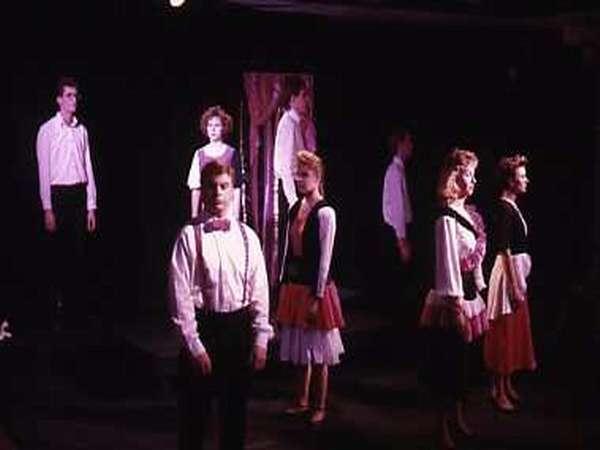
{"points": [[454, 311], [309, 311]]}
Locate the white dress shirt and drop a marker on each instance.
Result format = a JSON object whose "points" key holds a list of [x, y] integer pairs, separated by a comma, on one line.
{"points": [[289, 140], [397, 211], [214, 280], [63, 154]]}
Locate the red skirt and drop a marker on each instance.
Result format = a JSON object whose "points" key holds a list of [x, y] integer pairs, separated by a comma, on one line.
{"points": [[508, 345], [295, 301]]}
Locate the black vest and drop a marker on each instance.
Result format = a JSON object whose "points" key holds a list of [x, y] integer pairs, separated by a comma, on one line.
{"points": [[305, 270]]}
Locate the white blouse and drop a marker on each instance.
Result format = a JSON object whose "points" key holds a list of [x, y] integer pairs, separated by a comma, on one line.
{"points": [[453, 242]]}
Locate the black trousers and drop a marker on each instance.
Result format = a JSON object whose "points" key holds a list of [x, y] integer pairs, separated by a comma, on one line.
{"points": [[398, 278], [65, 252], [228, 339]]}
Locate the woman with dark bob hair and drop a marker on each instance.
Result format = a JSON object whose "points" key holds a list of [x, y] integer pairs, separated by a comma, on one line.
{"points": [[508, 346], [216, 125], [454, 312]]}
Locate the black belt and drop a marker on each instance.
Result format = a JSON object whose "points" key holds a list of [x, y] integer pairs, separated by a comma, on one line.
{"points": [[223, 315]]}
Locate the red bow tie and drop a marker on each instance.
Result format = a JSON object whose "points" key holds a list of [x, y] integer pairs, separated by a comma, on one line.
{"points": [[217, 224]]}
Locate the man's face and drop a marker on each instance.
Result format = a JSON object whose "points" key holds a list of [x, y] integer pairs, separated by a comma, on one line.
{"points": [[300, 102], [67, 101], [407, 146], [218, 194]]}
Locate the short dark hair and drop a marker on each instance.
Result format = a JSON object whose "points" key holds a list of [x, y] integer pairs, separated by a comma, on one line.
{"points": [[293, 84], [63, 82], [398, 134], [214, 169]]}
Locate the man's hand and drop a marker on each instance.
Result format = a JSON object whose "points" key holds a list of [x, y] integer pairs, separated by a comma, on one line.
{"points": [[204, 363], [91, 220], [404, 250], [49, 221], [260, 358]]}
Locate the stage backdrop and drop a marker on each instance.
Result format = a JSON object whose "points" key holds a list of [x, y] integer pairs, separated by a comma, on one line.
{"points": [[263, 92]]}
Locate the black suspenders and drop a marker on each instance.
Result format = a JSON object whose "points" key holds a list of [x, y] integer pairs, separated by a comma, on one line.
{"points": [[198, 236]]}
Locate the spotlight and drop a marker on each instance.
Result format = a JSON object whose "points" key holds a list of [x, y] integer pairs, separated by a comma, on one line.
{"points": [[176, 3]]}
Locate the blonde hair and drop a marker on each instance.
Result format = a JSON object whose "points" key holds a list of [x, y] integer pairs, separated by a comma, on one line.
{"points": [[313, 163], [456, 161]]}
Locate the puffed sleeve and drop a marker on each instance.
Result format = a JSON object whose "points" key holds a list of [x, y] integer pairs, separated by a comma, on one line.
{"points": [[448, 281], [193, 180]]}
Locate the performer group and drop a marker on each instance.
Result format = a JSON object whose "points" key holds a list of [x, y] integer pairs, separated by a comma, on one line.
{"points": [[219, 289]]}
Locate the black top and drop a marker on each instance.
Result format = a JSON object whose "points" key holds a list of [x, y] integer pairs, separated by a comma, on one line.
{"points": [[305, 270], [509, 230]]}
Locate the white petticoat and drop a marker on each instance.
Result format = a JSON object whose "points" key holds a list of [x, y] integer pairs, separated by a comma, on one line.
{"points": [[302, 346]]}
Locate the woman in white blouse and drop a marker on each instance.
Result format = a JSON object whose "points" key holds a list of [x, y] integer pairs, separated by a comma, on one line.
{"points": [[454, 312], [309, 311], [216, 125]]}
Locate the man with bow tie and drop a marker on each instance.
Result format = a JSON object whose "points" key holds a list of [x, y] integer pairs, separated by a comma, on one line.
{"points": [[219, 298]]}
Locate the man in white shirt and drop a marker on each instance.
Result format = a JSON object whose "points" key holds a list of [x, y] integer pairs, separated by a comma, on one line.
{"points": [[397, 210], [295, 132], [67, 193], [219, 297]]}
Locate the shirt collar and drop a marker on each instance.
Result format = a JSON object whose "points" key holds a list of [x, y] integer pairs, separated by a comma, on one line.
{"points": [[294, 115], [61, 122], [397, 160], [205, 216]]}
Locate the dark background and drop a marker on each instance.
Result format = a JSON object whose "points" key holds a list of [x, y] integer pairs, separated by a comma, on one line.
{"points": [[145, 71]]}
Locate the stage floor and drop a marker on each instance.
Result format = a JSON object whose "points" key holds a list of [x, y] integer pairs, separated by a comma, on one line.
{"points": [[114, 388]]}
